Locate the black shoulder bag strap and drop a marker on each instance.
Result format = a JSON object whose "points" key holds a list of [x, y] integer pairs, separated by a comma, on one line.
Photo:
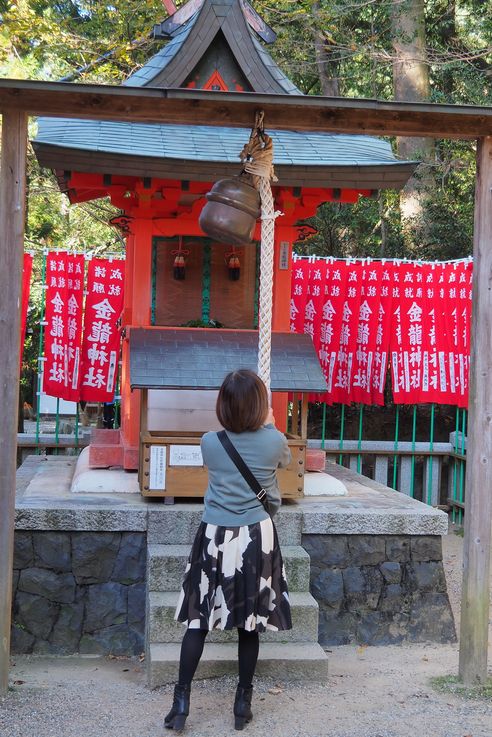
{"points": [[243, 469]]}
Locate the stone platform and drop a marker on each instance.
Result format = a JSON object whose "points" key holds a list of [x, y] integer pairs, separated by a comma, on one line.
{"points": [[44, 502], [94, 572]]}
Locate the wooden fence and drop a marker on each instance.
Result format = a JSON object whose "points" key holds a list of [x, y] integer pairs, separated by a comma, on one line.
{"points": [[433, 473]]}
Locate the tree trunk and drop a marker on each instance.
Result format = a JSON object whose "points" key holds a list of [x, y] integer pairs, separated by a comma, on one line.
{"points": [[411, 83], [327, 67], [448, 35]]}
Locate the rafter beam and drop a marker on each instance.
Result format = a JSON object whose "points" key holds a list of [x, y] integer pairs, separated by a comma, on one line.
{"points": [[237, 109]]}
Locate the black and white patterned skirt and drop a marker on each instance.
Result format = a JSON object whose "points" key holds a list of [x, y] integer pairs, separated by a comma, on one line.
{"points": [[235, 577]]}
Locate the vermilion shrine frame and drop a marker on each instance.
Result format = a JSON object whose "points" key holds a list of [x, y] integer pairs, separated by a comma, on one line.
{"points": [[19, 99]]}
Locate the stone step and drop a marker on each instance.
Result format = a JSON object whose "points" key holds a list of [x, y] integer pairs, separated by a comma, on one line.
{"points": [[176, 524], [166, 565], [162, 627], [282, 661]]}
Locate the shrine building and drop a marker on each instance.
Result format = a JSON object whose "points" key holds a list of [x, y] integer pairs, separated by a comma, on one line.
{"points": [[364, 563], [158, 176]]}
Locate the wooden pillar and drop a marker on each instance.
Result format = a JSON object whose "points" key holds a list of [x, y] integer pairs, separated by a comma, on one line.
{"points": [[12, 211], [478, 510]]}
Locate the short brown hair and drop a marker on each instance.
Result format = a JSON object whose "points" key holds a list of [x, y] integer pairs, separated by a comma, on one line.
{"points": [[242, 403]]}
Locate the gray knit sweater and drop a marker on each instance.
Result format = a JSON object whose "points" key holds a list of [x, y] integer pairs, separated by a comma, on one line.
{"points": [[229, 500]]}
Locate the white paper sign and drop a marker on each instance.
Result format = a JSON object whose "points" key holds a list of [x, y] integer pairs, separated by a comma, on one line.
{"points": [[185, 455], [157, 467], [283, 259]]}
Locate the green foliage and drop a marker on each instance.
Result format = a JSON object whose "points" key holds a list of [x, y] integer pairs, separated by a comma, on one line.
{"points": [[202, 324], [52, 223], [45, 40], [452, 685], [356, 231]]}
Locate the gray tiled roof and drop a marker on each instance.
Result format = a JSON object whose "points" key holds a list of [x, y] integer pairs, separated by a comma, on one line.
{"points": [[274, 69], [187, 358], [212, 143], [144, 76]]}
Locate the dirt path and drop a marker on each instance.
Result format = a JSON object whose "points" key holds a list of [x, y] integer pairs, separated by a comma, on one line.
{"points": [[371, 692]]}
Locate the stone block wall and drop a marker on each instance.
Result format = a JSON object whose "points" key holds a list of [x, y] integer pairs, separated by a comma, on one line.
{"points": [[79, 592], [85, 591], [379, 589]]}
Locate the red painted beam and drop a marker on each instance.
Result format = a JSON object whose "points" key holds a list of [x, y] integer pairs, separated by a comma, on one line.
{"points": [[170, 6]]}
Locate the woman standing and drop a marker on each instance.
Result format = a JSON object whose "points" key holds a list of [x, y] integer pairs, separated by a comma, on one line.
{"points": [[235, 575]]}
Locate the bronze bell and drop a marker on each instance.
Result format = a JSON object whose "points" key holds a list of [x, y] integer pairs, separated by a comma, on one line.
{"points": [[231, 212]]}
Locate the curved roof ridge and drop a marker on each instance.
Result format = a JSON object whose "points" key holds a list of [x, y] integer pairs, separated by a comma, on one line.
{"points": [[261, 71], [157, 63], [274, 68]]}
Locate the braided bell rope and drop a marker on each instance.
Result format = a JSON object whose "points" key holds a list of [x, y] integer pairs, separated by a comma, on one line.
{"points": [[257, 156]]}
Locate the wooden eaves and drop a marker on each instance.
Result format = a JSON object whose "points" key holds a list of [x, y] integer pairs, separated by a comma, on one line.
{"points": [[201, 107]]}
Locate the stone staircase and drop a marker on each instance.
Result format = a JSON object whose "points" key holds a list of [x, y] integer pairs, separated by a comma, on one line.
{"points": [[290, 655]]}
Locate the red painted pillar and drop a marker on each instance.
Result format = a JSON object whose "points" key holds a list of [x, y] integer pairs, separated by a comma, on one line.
{"points": [[170, 6], [284, 236], [138, 305], [125, 356]]}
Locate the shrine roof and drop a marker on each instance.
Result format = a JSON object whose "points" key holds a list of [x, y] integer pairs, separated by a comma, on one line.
{"points": [[143, 149], [173, 63], [207, 152], [144, 76], [190, 358]]}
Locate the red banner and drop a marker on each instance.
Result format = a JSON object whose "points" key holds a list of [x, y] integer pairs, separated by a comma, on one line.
{"points": [[373, 325], [346, 380], [63, 317], [300, 283], [101, 346], [26, 284], [364, 316], [407, 336], [383, 332], [333, 334], [430, 348]]}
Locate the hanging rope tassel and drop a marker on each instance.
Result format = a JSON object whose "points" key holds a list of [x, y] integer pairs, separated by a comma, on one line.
{"points": [[233, 266], [257, 156], [179, 263]]}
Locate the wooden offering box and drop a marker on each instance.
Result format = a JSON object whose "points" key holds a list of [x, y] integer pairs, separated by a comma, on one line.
{"points": [[171, 465], [179, 372]]}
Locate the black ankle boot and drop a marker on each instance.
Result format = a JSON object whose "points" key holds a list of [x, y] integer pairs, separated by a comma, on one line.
{"points": [[242, 706], [180, 709]]}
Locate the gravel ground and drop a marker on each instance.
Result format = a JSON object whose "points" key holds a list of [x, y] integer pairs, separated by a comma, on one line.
{"points": [[371, 692]]}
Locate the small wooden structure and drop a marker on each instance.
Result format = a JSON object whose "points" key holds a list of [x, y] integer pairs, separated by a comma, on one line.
{"points": [[179, 372]]}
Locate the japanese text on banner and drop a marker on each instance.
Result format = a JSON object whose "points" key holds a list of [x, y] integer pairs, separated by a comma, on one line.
{"points": [[365, 316], [101, 345], [26, 285], [430, 344], [63, 316]]}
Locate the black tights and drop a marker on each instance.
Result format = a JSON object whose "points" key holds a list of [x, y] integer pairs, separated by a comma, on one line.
{"points": [[192, 648]]}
